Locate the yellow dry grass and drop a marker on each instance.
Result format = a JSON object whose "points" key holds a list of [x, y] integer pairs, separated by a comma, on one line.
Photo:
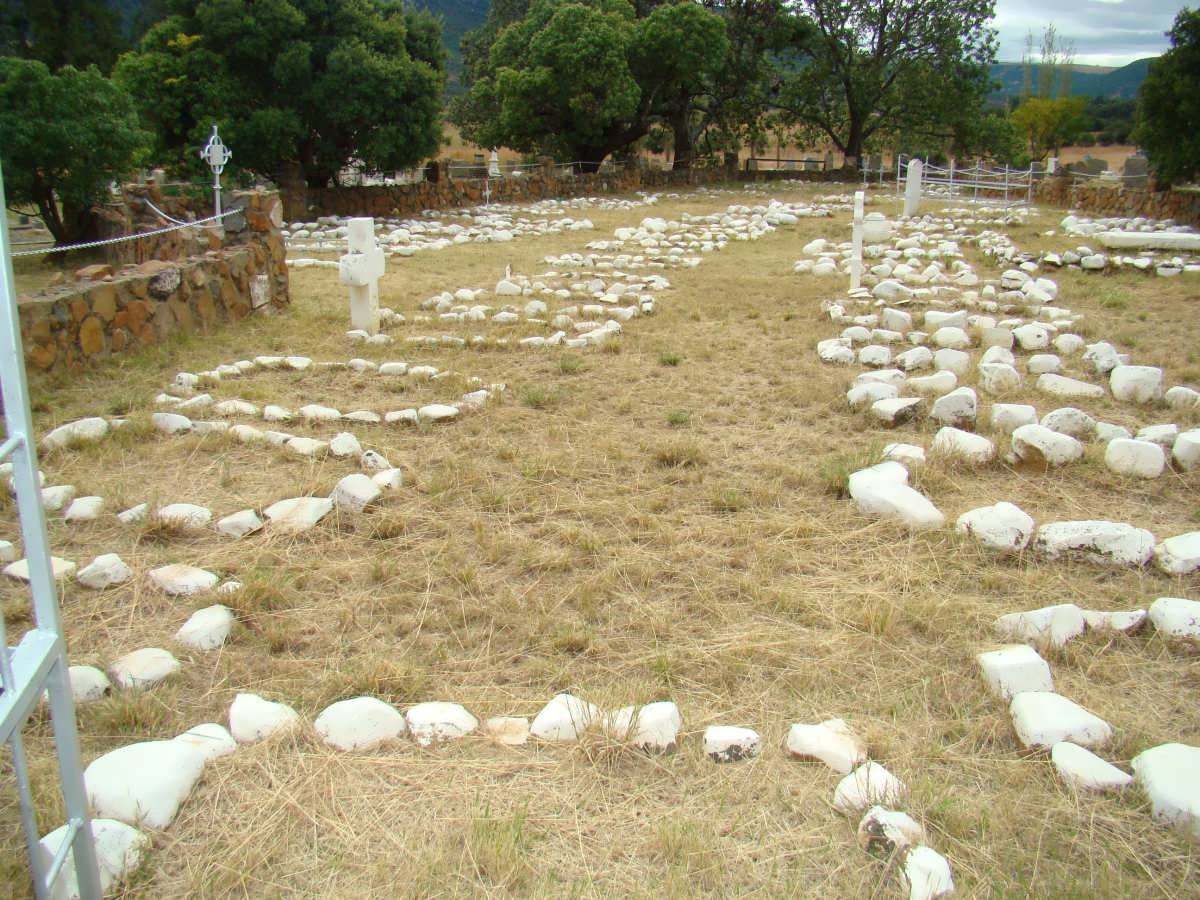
{"points": [[660, 520]]}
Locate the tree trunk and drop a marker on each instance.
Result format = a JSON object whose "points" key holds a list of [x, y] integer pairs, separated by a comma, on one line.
{"points": [[854, 143], [683, 143], [294, 192]]}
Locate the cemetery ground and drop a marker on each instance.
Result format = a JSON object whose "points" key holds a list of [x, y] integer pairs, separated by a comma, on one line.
{"points": [[660, 517]]}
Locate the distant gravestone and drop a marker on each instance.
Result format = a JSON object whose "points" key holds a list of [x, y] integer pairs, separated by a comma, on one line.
{"points": [[1137, 171], [1089, 165], [856, 242], [1051, 165], [494, 165], [912, 187], [875, 162], [360, 270]]}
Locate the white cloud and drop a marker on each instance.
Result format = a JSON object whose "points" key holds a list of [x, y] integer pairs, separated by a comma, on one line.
{"points": [[1104, 32]]}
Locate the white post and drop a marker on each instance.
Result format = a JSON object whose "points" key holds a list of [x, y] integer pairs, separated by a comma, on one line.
{"points": [[912, 188], [360, 270], [494, 165], [1051, 165], [856, 241]]}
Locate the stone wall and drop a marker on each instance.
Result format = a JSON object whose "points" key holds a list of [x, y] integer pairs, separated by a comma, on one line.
{"points": [[186, 280], [1113, 200]]}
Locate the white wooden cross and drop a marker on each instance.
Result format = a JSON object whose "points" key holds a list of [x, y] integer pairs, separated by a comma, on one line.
{"points": [[360, 270], [912, 187], [856, 239]]}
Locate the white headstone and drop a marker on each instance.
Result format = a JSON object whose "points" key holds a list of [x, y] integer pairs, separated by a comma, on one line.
{"points": [[856, 238], [360, 270], [494, 165], [912, 187]]}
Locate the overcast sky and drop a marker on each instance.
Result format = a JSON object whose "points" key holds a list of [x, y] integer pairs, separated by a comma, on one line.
{"points": [[1105, 32]]}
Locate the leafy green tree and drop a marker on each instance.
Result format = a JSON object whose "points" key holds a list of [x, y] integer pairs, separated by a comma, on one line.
{"points": [[584, 79], [78, 33], [1168, 114], [300, 88], [1049, 125], [877, 69], [63, 163]]}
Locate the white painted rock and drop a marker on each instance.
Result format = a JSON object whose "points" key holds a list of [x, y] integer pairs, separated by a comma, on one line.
{"points": [[355, 492], [1136, 384], [926, 874], [179, 579], [134, 514], [1126, 621], [875, 356], [831, 742], [1164, 435], [143, 783], [1181, 397], [81, 431], [144, 668], [896, 411], [84, 509], [1039, 445], [1013, 669], [374, 462], [1071, 421], [170, 423], [729, 743], [951, 360], [119, 849], [1041, 363], [1004, 526], [1068, 388], [55, 498], [437, 412], [251, 718], [206, 629], [1170, 776], [907, 455], [868, 785], [184, 515], [938, 383], [512, 731], [359, 723], [1185, 449], [882, 491], [1057, 624], [104, 571], [950, 337], [1106, 432], [436, 721], [835, 350], [1179, 555], [1008, 417], [1085, 771], [210, 738], [998, 378], [1043, 719], [1140, 459], [345, 444], [314, 412], [88, 683], [1106, 543], [974, 449], [884, 832], [653, 728], [957, 408], [389, 479], [564, 718], [1032, 336], [298, 513], [240, 524], [304, 446], [866, 394], [914, 359], [1176, 617]]}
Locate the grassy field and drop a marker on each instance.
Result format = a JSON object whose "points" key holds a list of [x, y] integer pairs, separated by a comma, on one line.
{"points": [[659, 518]]}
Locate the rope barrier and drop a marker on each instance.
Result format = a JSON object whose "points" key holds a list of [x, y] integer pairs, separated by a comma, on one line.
{"points": [[125, 237]]}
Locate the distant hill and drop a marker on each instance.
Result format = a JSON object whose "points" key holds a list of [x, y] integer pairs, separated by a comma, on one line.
{"points": [[458, 17], [1086, 81]]}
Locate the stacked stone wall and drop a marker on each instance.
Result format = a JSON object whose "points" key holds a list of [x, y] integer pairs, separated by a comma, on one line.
{"points": [[1113, 200]]}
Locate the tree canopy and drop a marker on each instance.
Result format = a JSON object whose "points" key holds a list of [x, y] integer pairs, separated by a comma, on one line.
{"points": [[1168, 115], [1049, 124], [78, 33], [882, 69], [63, 163], [300, 88]]}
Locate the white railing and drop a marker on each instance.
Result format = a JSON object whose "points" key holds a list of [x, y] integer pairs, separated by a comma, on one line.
{"points": [[996, 186]]}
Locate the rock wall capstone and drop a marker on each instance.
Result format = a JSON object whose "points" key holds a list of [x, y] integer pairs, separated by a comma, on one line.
{"points": [[1113, 200]]}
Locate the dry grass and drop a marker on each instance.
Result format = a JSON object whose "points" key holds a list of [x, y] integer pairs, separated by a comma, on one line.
{"points": [[629, 529]]}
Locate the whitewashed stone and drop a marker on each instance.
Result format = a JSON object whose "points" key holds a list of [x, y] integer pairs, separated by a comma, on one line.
{"points": [[974, 449], [1101, 357], [84, 509], [1085, 771], [235, 408], [868, 785], [564, 718], [314, 412], [55, 498], [8, 552], [1126, 621], [907, 455], [359, 723], [298, 514], [119, 849], [997, 355], [875, 355], [184, 515], [437, 412], [211, 739], [374, 462], [389, 479], [951, 337], [88, 684], [104, 571], [1043, 719], [1068, 388], [1106, 431], [926, 874], [1176, 617], [1170, 776], [1056, 624], [885, 833], [170, 423], [273, 413], [1163, 435], [933, 385], [1068, 344], [144, 668], [1185, 449], [998, 378], [729, 743], [1038, 444], [914, 359], [882, 491], [835, 350], [1179, 555], [896, 411], [251, 718], [1041, 363], [206, 629], [81, 431], [307, 446], [143, 783], [356, 492], [1180, 397], [345, 444], [951, 360], [652, 728], [1003, 526], [1008, 417], [1032, 336], [1106, 543], [247, 434], [894, 377], [865, 394], [1136, 384], [437, 721], [240, 524], [1013, 669], [134, 514], [1071, 421], [511, 731], [831, 742], [180, 579], [1140, 459]]}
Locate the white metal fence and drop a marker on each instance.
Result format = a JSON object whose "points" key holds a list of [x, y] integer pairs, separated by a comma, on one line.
{"points": [[994, 186]]}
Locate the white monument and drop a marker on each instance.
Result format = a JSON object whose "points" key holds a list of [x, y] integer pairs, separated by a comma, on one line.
{"points": [[1052, 165], [856, 241], [494, 165], [912, 187], [360, 270]]}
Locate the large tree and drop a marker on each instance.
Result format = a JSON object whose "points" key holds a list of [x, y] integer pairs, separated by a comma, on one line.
{"points": [[890, 69], [63, 162], [300, 88], [1049, 125], [1168, 114], [581, 80], [78, 33]]}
